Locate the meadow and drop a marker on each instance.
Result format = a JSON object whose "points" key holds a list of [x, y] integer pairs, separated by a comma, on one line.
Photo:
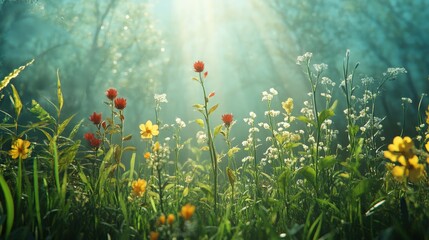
{"points": [[298, 174]]}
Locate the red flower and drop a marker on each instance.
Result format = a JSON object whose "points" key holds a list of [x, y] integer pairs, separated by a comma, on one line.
{"points": [[89, 136], [95, 142], [111, 93], [227, 119], [120, 103], [199, 66], [92, 140], [95, 118]]}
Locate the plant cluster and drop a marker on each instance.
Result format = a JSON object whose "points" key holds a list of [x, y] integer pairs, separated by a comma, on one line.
{"points": [[297, 174]]}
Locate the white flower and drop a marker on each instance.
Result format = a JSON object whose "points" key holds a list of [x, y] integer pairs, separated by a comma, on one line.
{"points": [[266, 96], [320, 67], [273, 91], [252, 115], [180, 123], [303, 58], [161, 98], [201, 137]]}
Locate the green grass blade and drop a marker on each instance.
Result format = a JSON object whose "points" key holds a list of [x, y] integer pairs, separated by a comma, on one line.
{"points": [[10, 211], [36, 197]]}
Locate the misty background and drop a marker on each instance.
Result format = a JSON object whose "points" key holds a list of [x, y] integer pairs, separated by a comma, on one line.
{"points": [[249, 46]]}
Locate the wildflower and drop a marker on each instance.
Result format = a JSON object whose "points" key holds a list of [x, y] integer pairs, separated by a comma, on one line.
{"points": [[306, 57], [88, 136], [273, 91], [155, 147], [161, 98], [95, 118], [146, 155], [20, 149], [180, 123], [187, 211], [427, 116], [95, 142], [227, 119], [111, 93], [153, 235], [288, 105], [120, 103], [199, 66], [401, 152], [148, 130], [170, 219], [161, 219], [266, 96], [139, 187]]}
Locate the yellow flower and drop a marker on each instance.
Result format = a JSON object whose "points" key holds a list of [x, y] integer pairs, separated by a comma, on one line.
{"points": [[20, 149], [148, 130], [171, 218], [161, 219], [139, 187], [146, 155], [155, 147], [288, 105], [401, 152], [187, 211]]}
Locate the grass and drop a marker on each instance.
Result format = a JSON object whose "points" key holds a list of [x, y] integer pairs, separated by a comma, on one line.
{"points": [[293, 177]]}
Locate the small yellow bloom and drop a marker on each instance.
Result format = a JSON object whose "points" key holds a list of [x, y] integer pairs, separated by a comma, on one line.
{"points": [[20, 149], [288, 105], [427, 116], [187, 211], [148, 130], [155, 147], [139, 187], [171, 218], [146, 155], [161, 219]]}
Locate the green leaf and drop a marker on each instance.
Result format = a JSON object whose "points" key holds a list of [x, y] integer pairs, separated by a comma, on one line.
{"points": [[217, 130], [198, 106], [185, 191], [307, 173], [362, 187], [64, 124], [327, 161], [200, 122], [59, 93], [212, 109], [16, 101], [41, 113], [305, 120], [75, 129]]}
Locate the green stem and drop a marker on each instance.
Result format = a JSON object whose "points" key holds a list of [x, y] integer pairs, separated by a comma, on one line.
{"points": [[36, 197]]}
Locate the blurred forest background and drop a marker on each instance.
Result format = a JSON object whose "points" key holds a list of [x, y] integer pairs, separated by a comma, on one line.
{"points": [[147, 47]]}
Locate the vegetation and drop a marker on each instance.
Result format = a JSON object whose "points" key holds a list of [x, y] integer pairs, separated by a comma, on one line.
{"points": [[297, 175]]}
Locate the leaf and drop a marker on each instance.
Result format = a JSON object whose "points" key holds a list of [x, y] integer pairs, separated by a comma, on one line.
{"points": [[217, 130], [308, 173], [198, 106], [59, 93], [231, 176], [212, 109], [305, 119], [75, 129], [361, 188], [200, 122], [64, 124], [13, 75], [16, 101], [128, 137], [41, 113], [8, 204], [327, 162], [185, 191]]}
